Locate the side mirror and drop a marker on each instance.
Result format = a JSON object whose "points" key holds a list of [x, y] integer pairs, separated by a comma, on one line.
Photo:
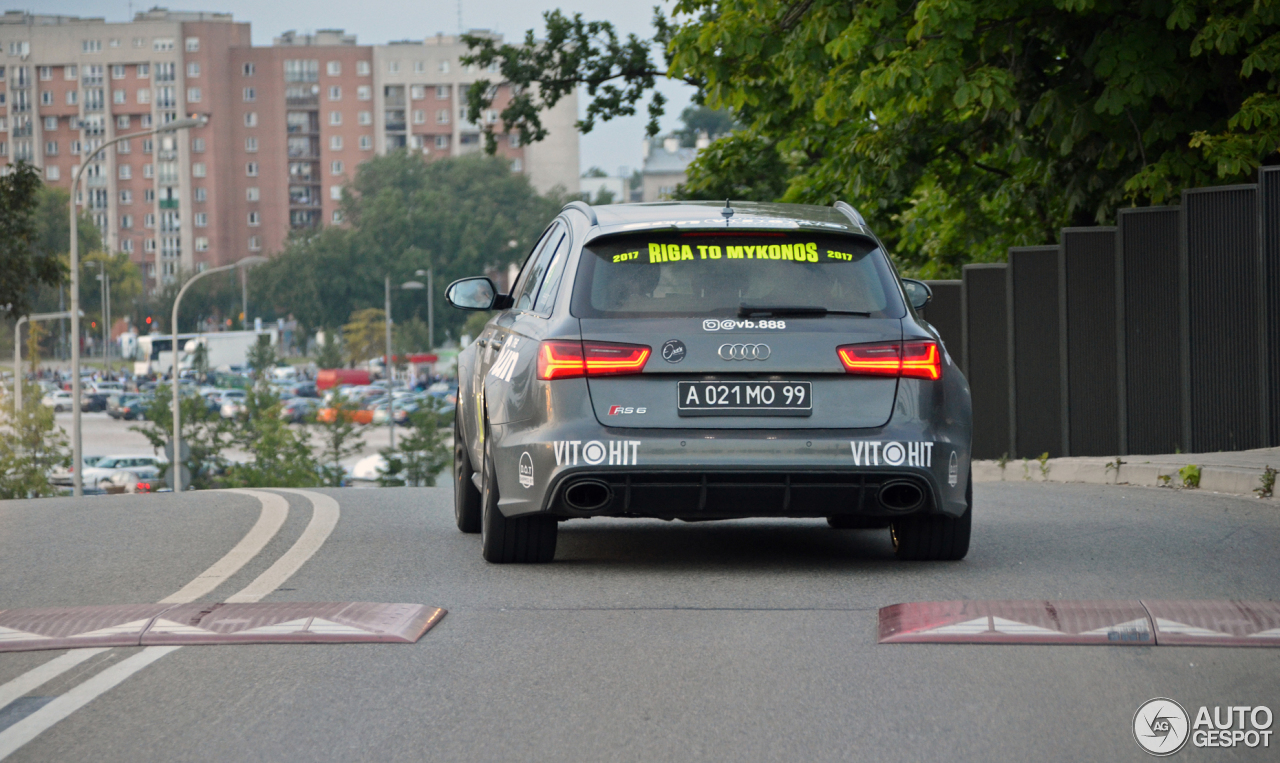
{"points": [[918, 292], [472, 294]]}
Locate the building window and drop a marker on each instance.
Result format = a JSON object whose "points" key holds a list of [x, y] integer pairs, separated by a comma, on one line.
{"points": [[251, 194], [51, 148], [491, 117], [119, 96], [419, 116], [251, 169], [149, 245], [335, 93], [145, 121], [126, 221], [144, 96], [337, 215], [117, 71], [251, 145], [125, 171], [248, 70], [335, 142], [91, 46], [393, 67], [123, 147], [149, 220], [301, 70], [46, 73], [74, 147], [364, 92], [72, 97], [251, 119], [444, 67], [333, 68], [122, 123], [335, 118], [148, 171], [193, 44], [51, 172], [149, 195], [366, 143], [255, 219], [442, 92], [201, 194], [362, 68], [201, 219], [442, 116], [335, 192], [144, 71], [365, 117], [126, 197], [202, 245], [70, 73], [148, 144], [417, 92], [126, 246], [198, 170], [442, 141], [162, 44], [197, 145], [517, 165], [250, 95], [46, 97], [419, 67], [193, 69], [193, 96], [255, 243], [335, 167]]}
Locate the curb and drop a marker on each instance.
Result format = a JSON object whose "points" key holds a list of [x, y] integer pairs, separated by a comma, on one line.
{"points": [[1098, 471]]}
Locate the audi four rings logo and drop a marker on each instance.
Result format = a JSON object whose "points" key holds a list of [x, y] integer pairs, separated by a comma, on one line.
{"points": [[744, 351]]}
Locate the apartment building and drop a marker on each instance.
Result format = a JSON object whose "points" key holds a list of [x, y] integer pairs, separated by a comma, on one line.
{"points": [[288, 124]]}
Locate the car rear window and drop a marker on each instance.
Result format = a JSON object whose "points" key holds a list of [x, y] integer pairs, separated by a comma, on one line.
{"points": [[706, 273]]}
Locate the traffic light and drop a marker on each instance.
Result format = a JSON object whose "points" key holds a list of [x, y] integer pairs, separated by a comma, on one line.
{"points": [[148, 320]]}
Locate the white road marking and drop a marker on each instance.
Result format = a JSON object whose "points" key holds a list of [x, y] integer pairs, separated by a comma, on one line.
{"points": [[324, 517], [37, 677], [35, 724], [275, 509]]}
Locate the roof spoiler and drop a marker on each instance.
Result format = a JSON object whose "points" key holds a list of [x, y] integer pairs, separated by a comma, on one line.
{"points": [[854, 216], [584, 208]]}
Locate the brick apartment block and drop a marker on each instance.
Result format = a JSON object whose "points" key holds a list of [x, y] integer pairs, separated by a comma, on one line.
{"points": [[287, 125]]}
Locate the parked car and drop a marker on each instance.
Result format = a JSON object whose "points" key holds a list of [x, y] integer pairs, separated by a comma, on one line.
{"points": [[233, 403], [108, 466], [137, 479], [59, 400], [299, 409], [128, 407], [65, 477]]}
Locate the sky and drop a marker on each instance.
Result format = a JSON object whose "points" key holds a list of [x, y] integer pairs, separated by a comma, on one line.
{"points": [[609, 146]]}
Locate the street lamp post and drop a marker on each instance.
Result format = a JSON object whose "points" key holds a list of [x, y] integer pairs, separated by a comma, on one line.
{"points": [[175, 462], [17, 352], [431, 311], [391, 411], [106, 321], [76, 445]]}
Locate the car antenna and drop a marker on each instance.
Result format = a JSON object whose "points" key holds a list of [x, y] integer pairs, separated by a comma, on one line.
{"points": [[727, 211]]}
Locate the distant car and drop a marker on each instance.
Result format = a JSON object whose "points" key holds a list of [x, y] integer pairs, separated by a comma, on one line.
{"points": [[66, 476], [129, 407], [299, 409], [233, 403], [58, 400], [108, 466], [138, 479]]}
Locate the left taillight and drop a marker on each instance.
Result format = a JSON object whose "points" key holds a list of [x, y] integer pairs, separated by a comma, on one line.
{"points": [[914, 360], [563, 359]]}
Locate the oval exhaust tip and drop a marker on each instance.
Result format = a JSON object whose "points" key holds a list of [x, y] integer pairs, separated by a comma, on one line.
{"points": [[588, 495], [901, 495]]}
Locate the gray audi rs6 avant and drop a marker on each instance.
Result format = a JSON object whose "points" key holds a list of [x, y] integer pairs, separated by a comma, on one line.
{"points": [[695, 361]]}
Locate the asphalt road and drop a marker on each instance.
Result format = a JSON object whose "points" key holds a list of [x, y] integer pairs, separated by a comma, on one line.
{"points": [[644, 641]]}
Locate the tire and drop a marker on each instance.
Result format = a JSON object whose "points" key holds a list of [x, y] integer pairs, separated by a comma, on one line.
{"points": [[934, 538], [856, 522], [466, 499], [521, 540]]}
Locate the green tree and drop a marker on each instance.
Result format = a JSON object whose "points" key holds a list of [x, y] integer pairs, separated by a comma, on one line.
{"points": [[32, 445], [204, 432], [341, 437], [422, 452], [365, 335], [330, 355], [261, 358], [23, 262], [282, 455], [697, 120], [957, 127]]}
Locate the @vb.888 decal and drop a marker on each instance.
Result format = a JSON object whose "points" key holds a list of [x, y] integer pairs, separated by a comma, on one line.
{"points": [[880, 453]]}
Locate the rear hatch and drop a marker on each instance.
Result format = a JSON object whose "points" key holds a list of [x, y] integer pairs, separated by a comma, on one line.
{"points": [[735, 325]]}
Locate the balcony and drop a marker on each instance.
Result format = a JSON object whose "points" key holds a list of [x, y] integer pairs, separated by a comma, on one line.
{"points": [[96, 181], [168, 203]]}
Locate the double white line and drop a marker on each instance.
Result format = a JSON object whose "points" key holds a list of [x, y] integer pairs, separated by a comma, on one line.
{"points": [[275, 509]]}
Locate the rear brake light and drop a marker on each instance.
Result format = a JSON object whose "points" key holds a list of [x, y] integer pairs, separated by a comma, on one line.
{"points": [[916, 360], [568, 359]]}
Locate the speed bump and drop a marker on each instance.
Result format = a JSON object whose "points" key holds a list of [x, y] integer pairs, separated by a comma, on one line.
{"points": [[183, 624]]}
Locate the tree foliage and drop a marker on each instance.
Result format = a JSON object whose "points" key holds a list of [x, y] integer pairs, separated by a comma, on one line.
{"points": [[405, 214], [23, 263], [958, 127], [32, 445], [422, 452]]}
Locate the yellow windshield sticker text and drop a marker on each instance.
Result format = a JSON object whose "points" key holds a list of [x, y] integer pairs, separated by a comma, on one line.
{"points": [[659, 253]]}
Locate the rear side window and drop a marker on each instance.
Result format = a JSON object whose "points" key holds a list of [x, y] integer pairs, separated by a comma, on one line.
{"points": [[538, 270], [713, 274], [551, 281], [527, 284]]}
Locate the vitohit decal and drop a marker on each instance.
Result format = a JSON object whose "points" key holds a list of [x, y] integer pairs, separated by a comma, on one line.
{"points": [[593, 452], [880, 453], [506, 362]]}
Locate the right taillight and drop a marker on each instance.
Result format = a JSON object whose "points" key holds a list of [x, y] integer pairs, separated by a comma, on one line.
{"points": [[916, 360], [561, 359]]}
